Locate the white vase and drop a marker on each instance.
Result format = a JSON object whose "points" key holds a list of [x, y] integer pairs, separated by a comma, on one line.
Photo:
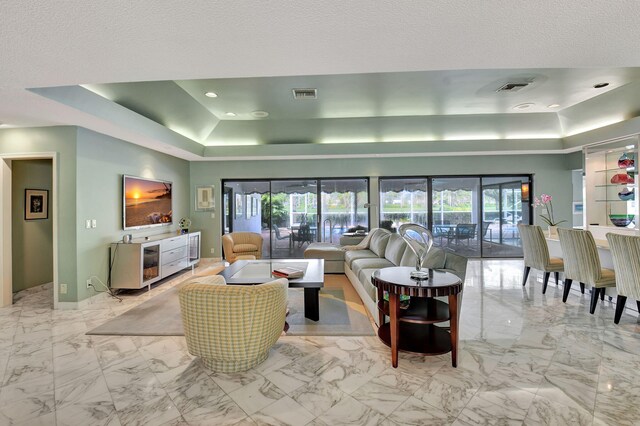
{"points": [[552, 231]]}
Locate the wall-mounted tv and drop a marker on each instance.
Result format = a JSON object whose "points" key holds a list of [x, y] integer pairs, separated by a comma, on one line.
{"points": [[146, 202]]}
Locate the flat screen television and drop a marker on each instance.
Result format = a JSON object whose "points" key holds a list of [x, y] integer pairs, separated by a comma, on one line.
{"points": [[146, 202]]}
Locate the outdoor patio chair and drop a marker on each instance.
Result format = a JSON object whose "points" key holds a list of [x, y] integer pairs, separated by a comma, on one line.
{"points": [[278, 236], [302, 235], [462, 231]]}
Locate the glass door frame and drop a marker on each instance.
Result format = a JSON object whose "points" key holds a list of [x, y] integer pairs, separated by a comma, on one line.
{"points": [[480, 212], [318, 190]]}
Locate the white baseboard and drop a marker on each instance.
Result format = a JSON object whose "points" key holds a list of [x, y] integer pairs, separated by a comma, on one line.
{"points": [[100, 297]]}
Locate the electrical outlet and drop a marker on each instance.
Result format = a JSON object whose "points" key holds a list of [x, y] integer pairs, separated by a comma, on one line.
{"points": [[213, 251], [89, 284], [63, 289], [94, 223]]}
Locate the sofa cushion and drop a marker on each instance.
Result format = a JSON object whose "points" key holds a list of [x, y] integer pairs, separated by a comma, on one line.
{"points": [[244, 248], [376, 263], [408, 257], [395, 249], [379, 242], [352, 255], [435, 259], [324, 251], [364, 276]]}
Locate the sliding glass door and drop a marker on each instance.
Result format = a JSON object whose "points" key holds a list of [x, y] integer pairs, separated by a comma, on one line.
{"points": [[288, 214], [455, 211], [476, 216]]}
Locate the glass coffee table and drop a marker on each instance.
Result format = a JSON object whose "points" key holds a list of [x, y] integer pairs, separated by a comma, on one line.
{"points": [[251, 272]]}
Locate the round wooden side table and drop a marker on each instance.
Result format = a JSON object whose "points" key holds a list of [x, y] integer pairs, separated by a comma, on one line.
{"points": [[413, 329]]}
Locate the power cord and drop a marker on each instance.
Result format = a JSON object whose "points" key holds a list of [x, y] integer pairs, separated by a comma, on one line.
{"points": [[106, 290]]}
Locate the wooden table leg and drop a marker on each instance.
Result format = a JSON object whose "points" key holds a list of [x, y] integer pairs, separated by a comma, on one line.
{"points": [[394, 324], [381, 315], [454, 317]]}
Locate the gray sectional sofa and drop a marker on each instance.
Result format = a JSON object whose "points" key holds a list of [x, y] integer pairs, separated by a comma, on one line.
{"points": [[385, 250]]}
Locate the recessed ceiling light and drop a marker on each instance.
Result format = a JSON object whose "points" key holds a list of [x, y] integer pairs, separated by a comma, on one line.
{"points": [[524, 106], [553, 106], [600, 85], [230, 114], [260, 114], [211, 94]]}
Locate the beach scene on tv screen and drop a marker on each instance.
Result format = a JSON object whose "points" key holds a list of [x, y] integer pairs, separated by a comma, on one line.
{"points": [[147, 202]]}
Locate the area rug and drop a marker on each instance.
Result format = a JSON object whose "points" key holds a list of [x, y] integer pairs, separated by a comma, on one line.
{"points": [[339, 315]]}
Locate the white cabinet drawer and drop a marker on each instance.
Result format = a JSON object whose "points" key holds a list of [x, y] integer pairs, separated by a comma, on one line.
{"points": [[174, 242], [173, 255], [173, 267]]}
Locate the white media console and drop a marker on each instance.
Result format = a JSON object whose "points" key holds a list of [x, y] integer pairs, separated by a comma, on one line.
{"points": [[147, 260]]}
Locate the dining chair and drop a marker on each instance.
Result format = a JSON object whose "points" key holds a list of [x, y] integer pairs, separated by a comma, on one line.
{"points": [[536, 255], [278, 236], [625, 250], [582, 264]]}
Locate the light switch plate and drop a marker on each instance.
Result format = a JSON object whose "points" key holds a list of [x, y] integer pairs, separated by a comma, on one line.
{"points": [[87, 224], [63, 289], [94, 223]]}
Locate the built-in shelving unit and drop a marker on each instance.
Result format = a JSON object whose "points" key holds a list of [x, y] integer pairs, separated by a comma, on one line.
{"points": [[610, 174]]}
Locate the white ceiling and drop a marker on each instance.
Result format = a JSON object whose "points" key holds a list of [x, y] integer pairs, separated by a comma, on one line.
{"points": [[48, 44]]}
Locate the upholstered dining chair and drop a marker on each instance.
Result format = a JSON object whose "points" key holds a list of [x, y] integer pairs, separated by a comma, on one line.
{"points": [[582, 264], [625, 250], [241, 244], [232, 327], [536, 255]]}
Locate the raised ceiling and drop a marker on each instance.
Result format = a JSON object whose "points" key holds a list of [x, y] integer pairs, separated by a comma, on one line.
{"points": [[386, 72]]}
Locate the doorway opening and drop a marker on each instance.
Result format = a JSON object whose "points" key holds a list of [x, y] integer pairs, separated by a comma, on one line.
{"points": [[28, 224]]}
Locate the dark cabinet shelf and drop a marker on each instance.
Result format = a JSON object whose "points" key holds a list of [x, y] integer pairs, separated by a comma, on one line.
{"points": [[418, 338]]}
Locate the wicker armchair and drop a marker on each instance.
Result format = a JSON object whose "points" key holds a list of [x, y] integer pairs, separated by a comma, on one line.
{"points": [[241, 244], [232, 327]]}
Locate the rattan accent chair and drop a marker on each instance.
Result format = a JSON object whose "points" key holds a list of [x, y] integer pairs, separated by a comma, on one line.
{"points": [[582, 264], [232, 327], [625, 250], [241, 244], [536, 255]]}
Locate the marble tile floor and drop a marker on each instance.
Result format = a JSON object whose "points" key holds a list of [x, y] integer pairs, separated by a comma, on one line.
{"points": [[525, 359]]}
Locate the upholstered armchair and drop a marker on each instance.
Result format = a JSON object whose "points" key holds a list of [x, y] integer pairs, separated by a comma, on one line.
{"points": [[232, 327], [241, 244]]}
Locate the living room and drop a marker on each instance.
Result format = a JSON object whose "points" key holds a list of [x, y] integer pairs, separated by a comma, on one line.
{"points": [[524, 358]]}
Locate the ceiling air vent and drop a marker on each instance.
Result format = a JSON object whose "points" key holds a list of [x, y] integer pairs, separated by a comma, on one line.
{"points": [[513, 87], [299, 94]]}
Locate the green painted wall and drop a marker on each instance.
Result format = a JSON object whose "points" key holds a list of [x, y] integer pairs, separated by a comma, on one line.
{"points": [[552, 174], [32, 240], [89, 171], [61, 140], [101, 162]]}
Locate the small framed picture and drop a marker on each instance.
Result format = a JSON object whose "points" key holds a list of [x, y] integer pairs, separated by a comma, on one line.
{"points": [[36, 204], [239, 205], [249, 206], [578, 207], [254, 206], [204, 198]]}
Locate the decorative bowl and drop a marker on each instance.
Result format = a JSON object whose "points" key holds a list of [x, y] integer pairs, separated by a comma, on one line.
{"points": [[627, 194], [626, 161], [621, 220], [622, 178]]}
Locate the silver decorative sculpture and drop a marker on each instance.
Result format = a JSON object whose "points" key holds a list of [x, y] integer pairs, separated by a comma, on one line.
{"points": [[420, 241]]}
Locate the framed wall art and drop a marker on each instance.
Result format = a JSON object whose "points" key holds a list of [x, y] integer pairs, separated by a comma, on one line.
{"points": [[204, 198], [248, 204], [36, 204], [239, 206]]}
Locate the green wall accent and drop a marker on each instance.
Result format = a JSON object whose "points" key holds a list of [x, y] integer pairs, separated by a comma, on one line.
{"points": [[552, 174], [61, 140], [89, 171], [32, 240], [102, 160]]}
